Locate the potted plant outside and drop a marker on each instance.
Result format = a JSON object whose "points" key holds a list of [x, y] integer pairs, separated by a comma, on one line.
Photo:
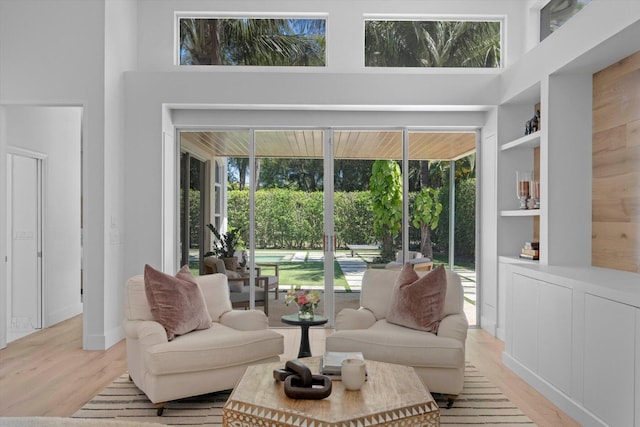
{"points": [[225, 246]]}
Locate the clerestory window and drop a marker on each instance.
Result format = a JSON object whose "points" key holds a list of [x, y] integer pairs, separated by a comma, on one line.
{"points": [[252, 41], [432, 43], [556, 13]]}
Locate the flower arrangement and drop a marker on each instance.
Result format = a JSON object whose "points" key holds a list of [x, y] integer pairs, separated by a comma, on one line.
{"points": [[305, 299]]}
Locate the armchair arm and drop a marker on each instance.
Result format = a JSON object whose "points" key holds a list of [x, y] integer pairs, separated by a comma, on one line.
{"points": [[276, 267], [454, 326], [245, 320], [350, 318], [147, 332]]}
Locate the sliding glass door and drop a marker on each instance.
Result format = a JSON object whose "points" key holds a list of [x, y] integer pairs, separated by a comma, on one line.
{"points": [[317, 207]]}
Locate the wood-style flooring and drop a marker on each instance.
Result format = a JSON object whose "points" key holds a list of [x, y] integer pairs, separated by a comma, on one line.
{"points": [[48, 374]]}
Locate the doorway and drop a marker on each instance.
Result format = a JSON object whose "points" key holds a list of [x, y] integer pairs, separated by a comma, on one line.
{"points": [[24, 245]]}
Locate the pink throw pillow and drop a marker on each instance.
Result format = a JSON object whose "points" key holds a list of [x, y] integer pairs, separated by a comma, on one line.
{"points": [[177, 303], [417, 302]]}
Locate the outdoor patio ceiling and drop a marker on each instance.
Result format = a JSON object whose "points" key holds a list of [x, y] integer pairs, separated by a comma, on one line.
{"points": [[348, 144]]}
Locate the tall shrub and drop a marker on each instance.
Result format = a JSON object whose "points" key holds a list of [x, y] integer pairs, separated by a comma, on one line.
{"points": [[386, 194]]}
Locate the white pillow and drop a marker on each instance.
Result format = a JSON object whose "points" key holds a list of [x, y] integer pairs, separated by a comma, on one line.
{"points": [[235, 285]]}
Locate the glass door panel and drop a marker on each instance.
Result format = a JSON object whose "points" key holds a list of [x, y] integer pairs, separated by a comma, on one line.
{"points": [[442, 203], [368, 210], [289, 210], [193, 200]]}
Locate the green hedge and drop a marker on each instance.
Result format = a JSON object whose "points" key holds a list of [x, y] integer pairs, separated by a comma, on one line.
{"points": [[465, 239], [293, 219]]}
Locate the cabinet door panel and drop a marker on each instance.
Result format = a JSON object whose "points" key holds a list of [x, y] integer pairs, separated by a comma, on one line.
{"points": [[525, 321], [555, 333], [609, 360]]}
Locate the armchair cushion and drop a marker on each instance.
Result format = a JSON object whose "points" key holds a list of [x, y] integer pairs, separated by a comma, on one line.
{"points": [[350, 318], [416, 301], [215, 348], [176, 302]]}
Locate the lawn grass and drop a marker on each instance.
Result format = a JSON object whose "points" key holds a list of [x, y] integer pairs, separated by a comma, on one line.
{"points": [[309, 274]]}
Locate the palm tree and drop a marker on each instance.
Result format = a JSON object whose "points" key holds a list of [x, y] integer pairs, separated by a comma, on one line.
{"points": [[239, 41], [432, 44]]}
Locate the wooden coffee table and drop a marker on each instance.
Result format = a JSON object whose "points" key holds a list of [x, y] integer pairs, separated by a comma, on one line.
{"points": [[393, 395]]}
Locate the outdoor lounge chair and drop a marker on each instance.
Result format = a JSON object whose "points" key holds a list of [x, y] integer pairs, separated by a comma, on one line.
{"points": [[239, 285]]}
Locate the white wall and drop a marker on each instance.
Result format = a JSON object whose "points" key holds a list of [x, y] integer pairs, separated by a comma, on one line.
{"points": [[3, 222], [55, 133], [58, 60], [63, 57], [120, 56], [486, 258]]}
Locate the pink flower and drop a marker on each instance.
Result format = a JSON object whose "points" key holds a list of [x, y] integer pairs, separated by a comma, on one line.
{"points": [[302, 299]]}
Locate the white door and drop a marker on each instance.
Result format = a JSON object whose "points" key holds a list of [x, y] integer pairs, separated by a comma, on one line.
{"points": [[24, 311]]}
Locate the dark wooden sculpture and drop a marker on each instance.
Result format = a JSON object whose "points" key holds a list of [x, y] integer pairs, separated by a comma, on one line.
{"points": [[299, 383]]}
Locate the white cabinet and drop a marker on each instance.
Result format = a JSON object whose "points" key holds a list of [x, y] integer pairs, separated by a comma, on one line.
{"points": [[525, 321], [574, 334], [609, 360], [541, 329], [554, 334]]}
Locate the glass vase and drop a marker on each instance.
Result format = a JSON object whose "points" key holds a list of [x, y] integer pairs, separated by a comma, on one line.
{"points": [[522, 187], [305, 311]]}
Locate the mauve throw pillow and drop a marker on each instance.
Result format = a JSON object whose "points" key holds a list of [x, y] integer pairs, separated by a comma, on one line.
{"points": [[417, 302], [177, 303]]}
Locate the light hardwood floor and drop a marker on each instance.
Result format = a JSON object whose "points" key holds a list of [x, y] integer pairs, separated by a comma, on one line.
{"points": [[48, 374]]}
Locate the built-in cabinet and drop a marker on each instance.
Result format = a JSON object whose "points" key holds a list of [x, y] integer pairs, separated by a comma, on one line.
{"points": [[571, 330], [574, 334]]}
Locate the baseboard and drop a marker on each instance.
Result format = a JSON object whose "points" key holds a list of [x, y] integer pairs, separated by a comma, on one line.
{"points": [[103, 342], [561, 400], [63, 314], [488, 325], [93, 342], [113, 336]]}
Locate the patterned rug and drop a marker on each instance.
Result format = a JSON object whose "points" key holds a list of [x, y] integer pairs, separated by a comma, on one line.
{"points": [[481, 403]]}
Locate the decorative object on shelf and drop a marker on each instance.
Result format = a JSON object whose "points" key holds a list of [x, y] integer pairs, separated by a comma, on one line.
{"points": [[533, 125], [531, 250], [306, 300], [299, 383], [522, 187], [534, 188]]}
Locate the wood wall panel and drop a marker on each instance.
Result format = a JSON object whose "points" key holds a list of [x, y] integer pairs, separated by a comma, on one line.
{"points": [[616, 166]]}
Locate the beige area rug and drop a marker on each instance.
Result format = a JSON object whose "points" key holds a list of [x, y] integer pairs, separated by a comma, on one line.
{"points": [[481, 403]]}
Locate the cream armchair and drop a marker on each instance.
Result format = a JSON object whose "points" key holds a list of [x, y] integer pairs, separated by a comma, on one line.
{"points": [[201, 361], [439, 359]]}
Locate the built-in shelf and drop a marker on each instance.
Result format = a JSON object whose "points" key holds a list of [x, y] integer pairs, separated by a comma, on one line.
{"points": [[520, 212], [516, 260], [528, 141]]}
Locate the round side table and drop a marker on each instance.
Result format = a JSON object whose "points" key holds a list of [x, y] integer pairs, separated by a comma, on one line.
{"points": [[293, 319]]}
